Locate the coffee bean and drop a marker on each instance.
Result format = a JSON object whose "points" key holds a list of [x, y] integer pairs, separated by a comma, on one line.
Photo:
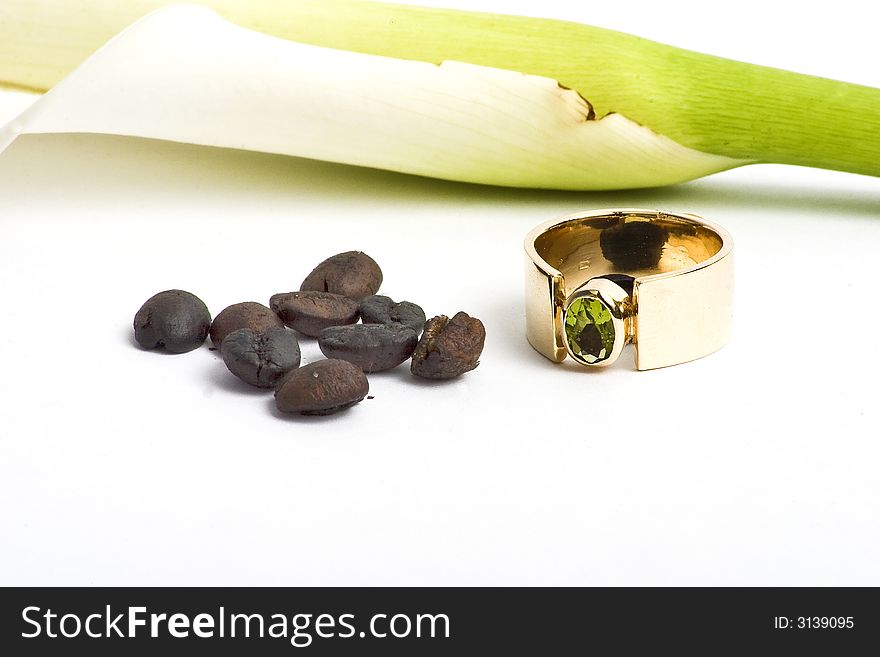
{"points": [[449, 347], [311, 312], [249, 314], [352, 274], [174, 319], [260, 359], [378, 309], [372, 347], [321, 388]]}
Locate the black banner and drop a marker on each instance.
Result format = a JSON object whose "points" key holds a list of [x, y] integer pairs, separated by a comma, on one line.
{"points": [[445, 621]]}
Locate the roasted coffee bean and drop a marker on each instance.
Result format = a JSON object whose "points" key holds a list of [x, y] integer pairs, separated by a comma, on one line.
{"points": [[378, 309], [174, 319], [352, 274], [321, 388], [311, 312], [449, 347], [372, 347], [249, 314], [260, 359]]}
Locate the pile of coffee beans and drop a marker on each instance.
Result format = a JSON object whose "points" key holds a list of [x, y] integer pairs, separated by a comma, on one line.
{"points": [[259, 344]]}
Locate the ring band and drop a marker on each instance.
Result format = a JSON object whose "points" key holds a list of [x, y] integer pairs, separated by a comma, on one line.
{"points": [[596, 281]]}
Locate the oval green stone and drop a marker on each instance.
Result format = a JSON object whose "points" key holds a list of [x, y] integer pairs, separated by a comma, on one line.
{"points": [[589, 329]]}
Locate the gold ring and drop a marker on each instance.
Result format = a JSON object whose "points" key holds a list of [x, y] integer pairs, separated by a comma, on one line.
{"points": [[596, 281]]}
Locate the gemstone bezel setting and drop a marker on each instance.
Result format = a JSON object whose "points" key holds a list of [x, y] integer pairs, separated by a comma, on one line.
{"points": [[596, 323]]}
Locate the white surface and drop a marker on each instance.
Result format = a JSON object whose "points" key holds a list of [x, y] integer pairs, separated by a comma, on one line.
{"points": [[757, 465]]}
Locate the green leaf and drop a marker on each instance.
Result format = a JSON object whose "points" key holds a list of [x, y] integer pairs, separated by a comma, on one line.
{"points": [[711, 105]]}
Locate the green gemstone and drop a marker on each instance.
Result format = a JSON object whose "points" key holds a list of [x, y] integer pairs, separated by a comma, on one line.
{"points": [[589, 329]]}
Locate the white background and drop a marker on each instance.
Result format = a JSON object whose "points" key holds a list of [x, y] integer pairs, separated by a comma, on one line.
{"points": [[757, 465]]}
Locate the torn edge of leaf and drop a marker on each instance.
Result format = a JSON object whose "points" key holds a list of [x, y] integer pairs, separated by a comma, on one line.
{"points": [[184, 74]]}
